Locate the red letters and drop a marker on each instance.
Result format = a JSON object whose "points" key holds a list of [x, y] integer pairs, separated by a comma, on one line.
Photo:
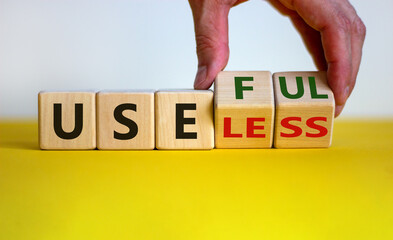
{"points": [[285, 123], [322, 130], [227, 129], [251, 127], [297, 131]]}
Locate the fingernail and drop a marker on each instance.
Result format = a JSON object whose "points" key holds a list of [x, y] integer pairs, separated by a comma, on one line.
{"points": [[200, 77], [338, 110], [346, 92]]}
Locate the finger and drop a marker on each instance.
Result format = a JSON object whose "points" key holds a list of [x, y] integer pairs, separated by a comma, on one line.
{"points": [[358, 37], [338, 53], [312, 40], [338, 109], [310, 36], [358, 33], [211, 34], [330, 19], [238, 2]]}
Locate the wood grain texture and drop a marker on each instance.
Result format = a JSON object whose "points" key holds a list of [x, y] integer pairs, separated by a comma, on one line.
{"points": [[303, 120], [137, 106], [246, 99], [47, 136], [166, 103]]}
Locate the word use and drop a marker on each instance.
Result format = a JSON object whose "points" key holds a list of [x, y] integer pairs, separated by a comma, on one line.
{"points": [[249, 109]]}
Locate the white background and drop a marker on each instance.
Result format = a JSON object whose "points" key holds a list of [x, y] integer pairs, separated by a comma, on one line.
{"points": [[134, 44]]}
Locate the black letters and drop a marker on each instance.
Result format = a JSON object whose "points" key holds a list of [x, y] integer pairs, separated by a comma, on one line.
{"points": [[180, 121], [118, 114], [78, 122]]}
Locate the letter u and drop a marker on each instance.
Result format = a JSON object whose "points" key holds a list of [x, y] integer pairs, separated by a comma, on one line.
{"points": [[57, 116], [284, 89]]}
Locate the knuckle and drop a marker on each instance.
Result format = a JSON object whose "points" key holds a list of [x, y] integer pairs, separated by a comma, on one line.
{"points": [[210, 49], [211, 45], [205, 42], [359, 28], [354, 25], [343, 22]]}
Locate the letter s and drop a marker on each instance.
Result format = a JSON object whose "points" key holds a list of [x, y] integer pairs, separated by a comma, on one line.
{"points": [[118, 114], [311, 124], [297, 131]]}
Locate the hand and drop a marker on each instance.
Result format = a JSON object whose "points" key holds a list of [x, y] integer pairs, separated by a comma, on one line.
{"points": [[331, 30]]}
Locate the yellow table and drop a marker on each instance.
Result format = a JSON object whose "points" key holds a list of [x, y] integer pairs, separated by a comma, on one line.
{"points": [[344, 192]]}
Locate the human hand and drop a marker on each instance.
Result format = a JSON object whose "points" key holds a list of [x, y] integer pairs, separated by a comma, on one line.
{"points": [[331, 30]]}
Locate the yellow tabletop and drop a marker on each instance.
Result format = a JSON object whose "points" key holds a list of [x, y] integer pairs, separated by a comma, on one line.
{"points": [[344, 192]]}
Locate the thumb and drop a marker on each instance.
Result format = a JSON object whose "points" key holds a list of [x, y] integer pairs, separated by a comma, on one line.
{"points": [[211, 34]]}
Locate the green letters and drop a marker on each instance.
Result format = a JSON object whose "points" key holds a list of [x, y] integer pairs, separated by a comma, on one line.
{"points": [[300, 89], [239, 88], [284, 90], [313, 90]]}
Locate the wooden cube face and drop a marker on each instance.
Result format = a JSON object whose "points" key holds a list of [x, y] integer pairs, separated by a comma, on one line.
{"points": [[244, 109], [67, 120], [184, 119], [125, 120], [304, 110]]}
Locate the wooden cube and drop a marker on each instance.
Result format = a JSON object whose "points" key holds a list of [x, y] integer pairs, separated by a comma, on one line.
{"points": [[244, 109], [125, 120], [304, 110], [184, 119], [67, 120]]}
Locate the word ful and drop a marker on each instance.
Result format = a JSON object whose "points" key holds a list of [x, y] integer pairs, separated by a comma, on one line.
{"points": [[250, 110]]}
